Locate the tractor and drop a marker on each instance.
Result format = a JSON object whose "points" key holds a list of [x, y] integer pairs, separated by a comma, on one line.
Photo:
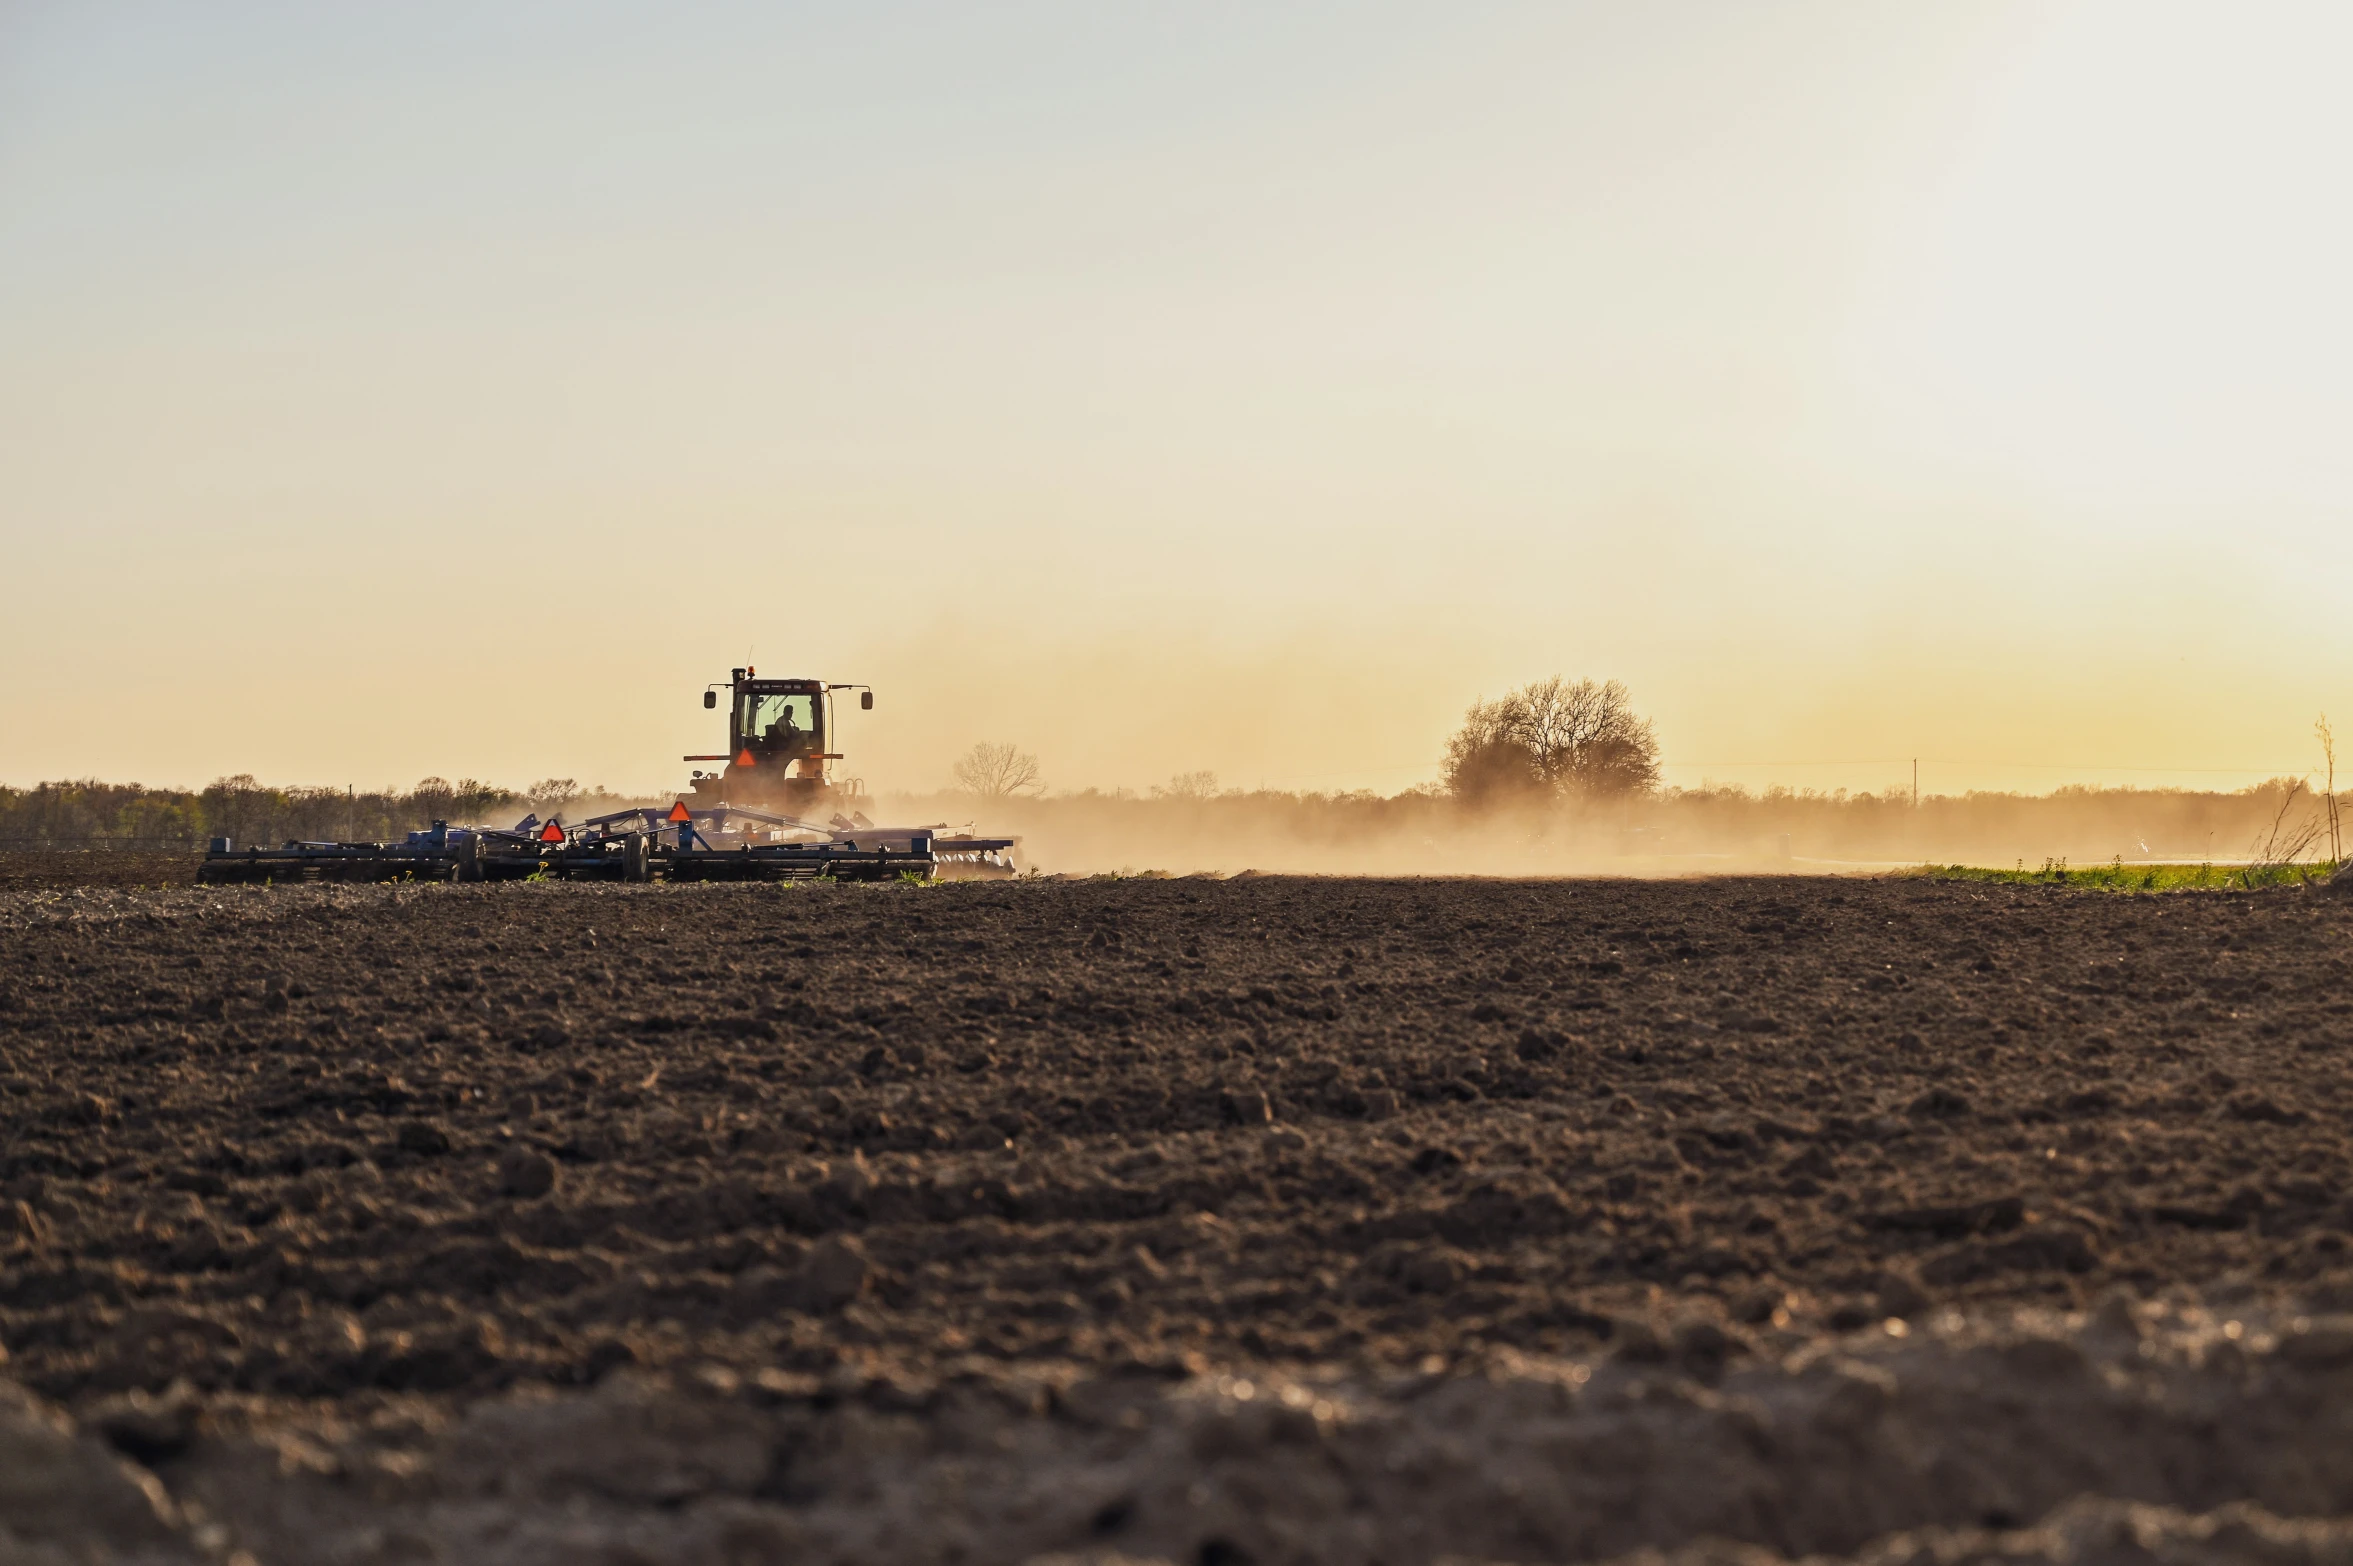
{"points": [[779, 753], [774, 812], [776, 783]]}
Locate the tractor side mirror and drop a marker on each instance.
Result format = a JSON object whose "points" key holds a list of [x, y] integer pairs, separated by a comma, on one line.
{"points": [[866, 701], [710, 698]]}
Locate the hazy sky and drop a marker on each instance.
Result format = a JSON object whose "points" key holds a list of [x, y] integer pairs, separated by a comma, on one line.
{"points": [[456, 388]]}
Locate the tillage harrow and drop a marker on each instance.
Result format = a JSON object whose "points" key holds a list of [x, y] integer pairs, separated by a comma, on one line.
{"points": [[721, 843]]}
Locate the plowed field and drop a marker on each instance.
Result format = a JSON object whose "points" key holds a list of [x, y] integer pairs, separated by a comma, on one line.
{"points": [[1261, 1220]]}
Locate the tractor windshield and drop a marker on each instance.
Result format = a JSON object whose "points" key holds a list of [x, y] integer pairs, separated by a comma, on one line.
{"points": [[779, 725]]}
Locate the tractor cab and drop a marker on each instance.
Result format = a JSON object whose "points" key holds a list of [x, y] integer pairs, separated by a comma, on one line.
{"points": [[779, 723], [778, 742]]}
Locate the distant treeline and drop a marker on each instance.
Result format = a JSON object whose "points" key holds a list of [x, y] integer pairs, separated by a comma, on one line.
{"points": [[1193, 825], [90, 814], [2078, 824]]}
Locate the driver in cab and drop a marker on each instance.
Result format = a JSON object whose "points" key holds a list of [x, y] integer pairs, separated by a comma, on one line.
{"points": [[785, 738]]}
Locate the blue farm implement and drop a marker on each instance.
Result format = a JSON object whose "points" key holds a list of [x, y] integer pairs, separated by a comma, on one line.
{"points": [[717, 844]]}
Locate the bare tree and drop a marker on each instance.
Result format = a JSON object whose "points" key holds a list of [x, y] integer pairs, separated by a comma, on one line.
{"points": [[1578, 740], [1188, 785], [997, 771], [1586, 738], [235, 806], [1488, 761], [548, 796]]}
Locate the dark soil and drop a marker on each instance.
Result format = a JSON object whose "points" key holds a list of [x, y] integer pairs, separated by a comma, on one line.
{"points": [[353, 1148], [22, 869]]}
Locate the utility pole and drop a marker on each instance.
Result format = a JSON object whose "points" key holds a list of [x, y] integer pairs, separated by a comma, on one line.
{"points": [[1915, 782]]}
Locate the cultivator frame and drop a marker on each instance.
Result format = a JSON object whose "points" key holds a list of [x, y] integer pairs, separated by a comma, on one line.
{"points": [[721, 843]]}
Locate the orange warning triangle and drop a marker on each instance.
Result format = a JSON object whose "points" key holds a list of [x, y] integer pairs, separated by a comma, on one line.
{"points": [[679, 812], [745, 760], [551, 833]]}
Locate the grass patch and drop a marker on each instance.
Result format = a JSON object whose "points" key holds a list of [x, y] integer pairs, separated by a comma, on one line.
{"points": [[2121, 877]]}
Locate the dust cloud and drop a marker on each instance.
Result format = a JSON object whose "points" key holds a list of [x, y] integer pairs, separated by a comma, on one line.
{"points": [[1183, 828]]}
